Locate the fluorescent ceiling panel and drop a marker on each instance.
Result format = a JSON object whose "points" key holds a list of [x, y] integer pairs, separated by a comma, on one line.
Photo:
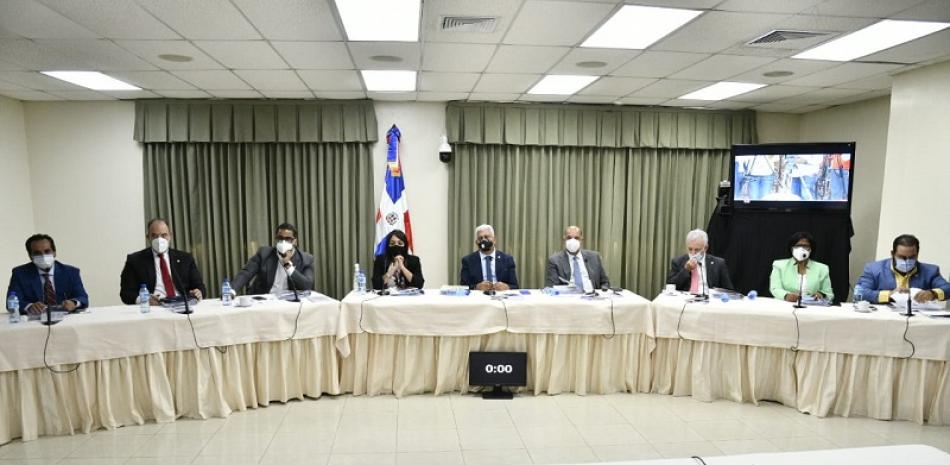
{"points": [[380, 20], [721, 90], [564, 84], [874, 38], [389, 80], [91, 80], [637, 27]]}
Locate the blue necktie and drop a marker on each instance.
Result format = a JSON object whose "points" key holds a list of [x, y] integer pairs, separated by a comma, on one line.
{"points": [[578, 279], [488, 274]]}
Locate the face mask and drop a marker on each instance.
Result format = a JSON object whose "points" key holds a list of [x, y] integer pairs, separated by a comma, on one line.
{"points": [[284, 247], [800, 253], [486, 245], [160, 245], [44, 261], [396, 250], [904, 266], [698, 257], [572, 245]]}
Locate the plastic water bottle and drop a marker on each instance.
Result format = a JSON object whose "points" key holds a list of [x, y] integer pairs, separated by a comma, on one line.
{"points": [[144, 297], [752, 294], [13, 306], [723, 297], [361, 282], [356, 278], [226, 295], [858, 293]]}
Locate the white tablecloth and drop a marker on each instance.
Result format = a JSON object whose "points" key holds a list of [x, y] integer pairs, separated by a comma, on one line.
{"points": [[886, 455]]}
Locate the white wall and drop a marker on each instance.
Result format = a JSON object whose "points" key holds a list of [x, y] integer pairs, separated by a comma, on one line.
{"points": [[775, 128], [918, 160], [16, 204], [427, 180], [86, 177]]}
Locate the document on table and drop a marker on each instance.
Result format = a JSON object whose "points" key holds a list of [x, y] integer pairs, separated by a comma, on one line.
{"points": [[900, 302]]}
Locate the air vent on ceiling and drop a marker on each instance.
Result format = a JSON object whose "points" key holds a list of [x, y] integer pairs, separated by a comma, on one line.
{"points": [[785, 35], [481, 24]]}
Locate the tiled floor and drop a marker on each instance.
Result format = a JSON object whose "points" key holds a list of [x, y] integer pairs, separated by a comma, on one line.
{"points": [[455, 429]]}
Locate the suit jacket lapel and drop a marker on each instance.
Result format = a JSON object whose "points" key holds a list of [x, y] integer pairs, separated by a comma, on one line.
{"points": [[270, 269], [149, 265]]}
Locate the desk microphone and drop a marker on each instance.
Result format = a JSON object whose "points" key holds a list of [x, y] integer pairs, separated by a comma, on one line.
{"points": [[801, 285], [178, 284], [293, 286], [909, 311]]}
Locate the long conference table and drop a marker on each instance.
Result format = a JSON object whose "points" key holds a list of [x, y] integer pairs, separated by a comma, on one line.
{"points": [[115, 366]]}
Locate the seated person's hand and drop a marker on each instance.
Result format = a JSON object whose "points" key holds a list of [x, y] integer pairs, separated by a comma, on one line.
{"points": [[196, 293], [483, 286], [791, 297], [154, 300], [924, 296], [69, 305], [399, 261], [37, 308], [690, 265], [819, 296], [900, 290], [500, 286]]}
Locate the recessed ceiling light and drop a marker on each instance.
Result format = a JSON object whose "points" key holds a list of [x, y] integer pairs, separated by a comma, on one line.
{"points": [[91, 80], [386, 58], [175, 58], [591, 64], [380, 20], [637, 27], [562, 84], [776, 74], [721, 90], [876, 37], [389, 80]]}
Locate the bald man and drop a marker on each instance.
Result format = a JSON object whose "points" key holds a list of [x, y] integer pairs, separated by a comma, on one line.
{"points": [[576, 266]]}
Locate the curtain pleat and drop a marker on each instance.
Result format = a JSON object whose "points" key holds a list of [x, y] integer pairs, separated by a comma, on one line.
{"points": [[224, 200]]}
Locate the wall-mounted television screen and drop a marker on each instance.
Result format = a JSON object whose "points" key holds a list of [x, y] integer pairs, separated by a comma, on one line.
{"points": [[785, 177]]}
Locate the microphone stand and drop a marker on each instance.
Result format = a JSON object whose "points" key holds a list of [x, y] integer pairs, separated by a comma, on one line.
{"points": [[178, 284], [801, 290], [910, 312], [289, 281]]}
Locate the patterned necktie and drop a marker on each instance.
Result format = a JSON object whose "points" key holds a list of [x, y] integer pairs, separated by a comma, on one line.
{"points": [[49, 295], [166, 277], [489, 276], [578, 278]]}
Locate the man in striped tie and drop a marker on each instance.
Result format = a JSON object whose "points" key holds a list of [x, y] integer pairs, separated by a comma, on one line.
{"points": [[46, 281]]}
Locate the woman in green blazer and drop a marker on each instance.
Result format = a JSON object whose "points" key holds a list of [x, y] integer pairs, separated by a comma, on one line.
{"points": [[786, 274]]}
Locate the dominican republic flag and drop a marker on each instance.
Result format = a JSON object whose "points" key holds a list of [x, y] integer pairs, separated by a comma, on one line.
{"points": [[393, 211]]}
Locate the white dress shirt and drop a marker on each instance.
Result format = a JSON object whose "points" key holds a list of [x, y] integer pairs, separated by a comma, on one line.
{"points": [[481, 264]]}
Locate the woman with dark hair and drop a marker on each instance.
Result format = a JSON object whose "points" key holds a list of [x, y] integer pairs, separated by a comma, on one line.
{"points": [[800, 273], [396, 267]]}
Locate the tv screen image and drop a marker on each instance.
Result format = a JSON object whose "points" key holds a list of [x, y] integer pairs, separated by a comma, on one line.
{"points": [[792, 176]]}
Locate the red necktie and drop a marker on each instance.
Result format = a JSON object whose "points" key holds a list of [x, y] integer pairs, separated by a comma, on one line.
{"points": [[49, 295], [166, 277]]}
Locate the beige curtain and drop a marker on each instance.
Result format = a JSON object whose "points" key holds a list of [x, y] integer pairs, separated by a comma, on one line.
{"points": [[223, 201], [634, 205]]}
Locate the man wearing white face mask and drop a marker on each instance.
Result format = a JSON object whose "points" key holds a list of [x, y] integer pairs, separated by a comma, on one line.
{"points": [[279, 268], [903, 272], [697, 271], [166, 272], [575, 266], [46, 281]]}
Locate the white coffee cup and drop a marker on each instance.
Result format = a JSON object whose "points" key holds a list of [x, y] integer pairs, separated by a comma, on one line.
{"points": [[862, 306], [670, 289], [245, 301]]}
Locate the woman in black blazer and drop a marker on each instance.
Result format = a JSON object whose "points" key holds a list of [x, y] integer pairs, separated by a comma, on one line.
{"points": [[396, 267]]}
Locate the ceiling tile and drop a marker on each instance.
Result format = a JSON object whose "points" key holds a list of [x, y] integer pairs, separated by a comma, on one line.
{"points": [[616, 86], [34, 20], [341, 95], [612, 58], [130, 94], [556, 23], [686, 103], [542, 98], [363, 52], [646, 101], [777, 107], [766, 6], [809, 108], [392, 96], [441, 96], [841, 73], [152, 80], [203, 20], [658, 64], [525, 59], [692, 4], [714, 31], [821, 96], [932, 10], [447, 57], [729, 105], [243, 55], [592, 99], [506, 83], [493, 97], [31, 56], [35, 81], [315, 55], [433, 12], [879, 82], [113, 19], [4, 85], [288, 94], [800, 68], [272, 79], [9, 66], [292, 19], [862, 8], [212, 79], [932, 47], [721, 67], [859, 97], [448, 82], [183, 93], [670, 88], [27, 95], [96, 54], [331, 81], [149, 50], [772, 93], [80, 95], [235, 93]]}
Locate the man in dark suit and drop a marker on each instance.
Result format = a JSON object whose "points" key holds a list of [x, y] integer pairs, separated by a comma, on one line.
{"points": [[163, 270], [575, 266], [46, 281], [488, 268], [698, 271], [279, 268]]}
